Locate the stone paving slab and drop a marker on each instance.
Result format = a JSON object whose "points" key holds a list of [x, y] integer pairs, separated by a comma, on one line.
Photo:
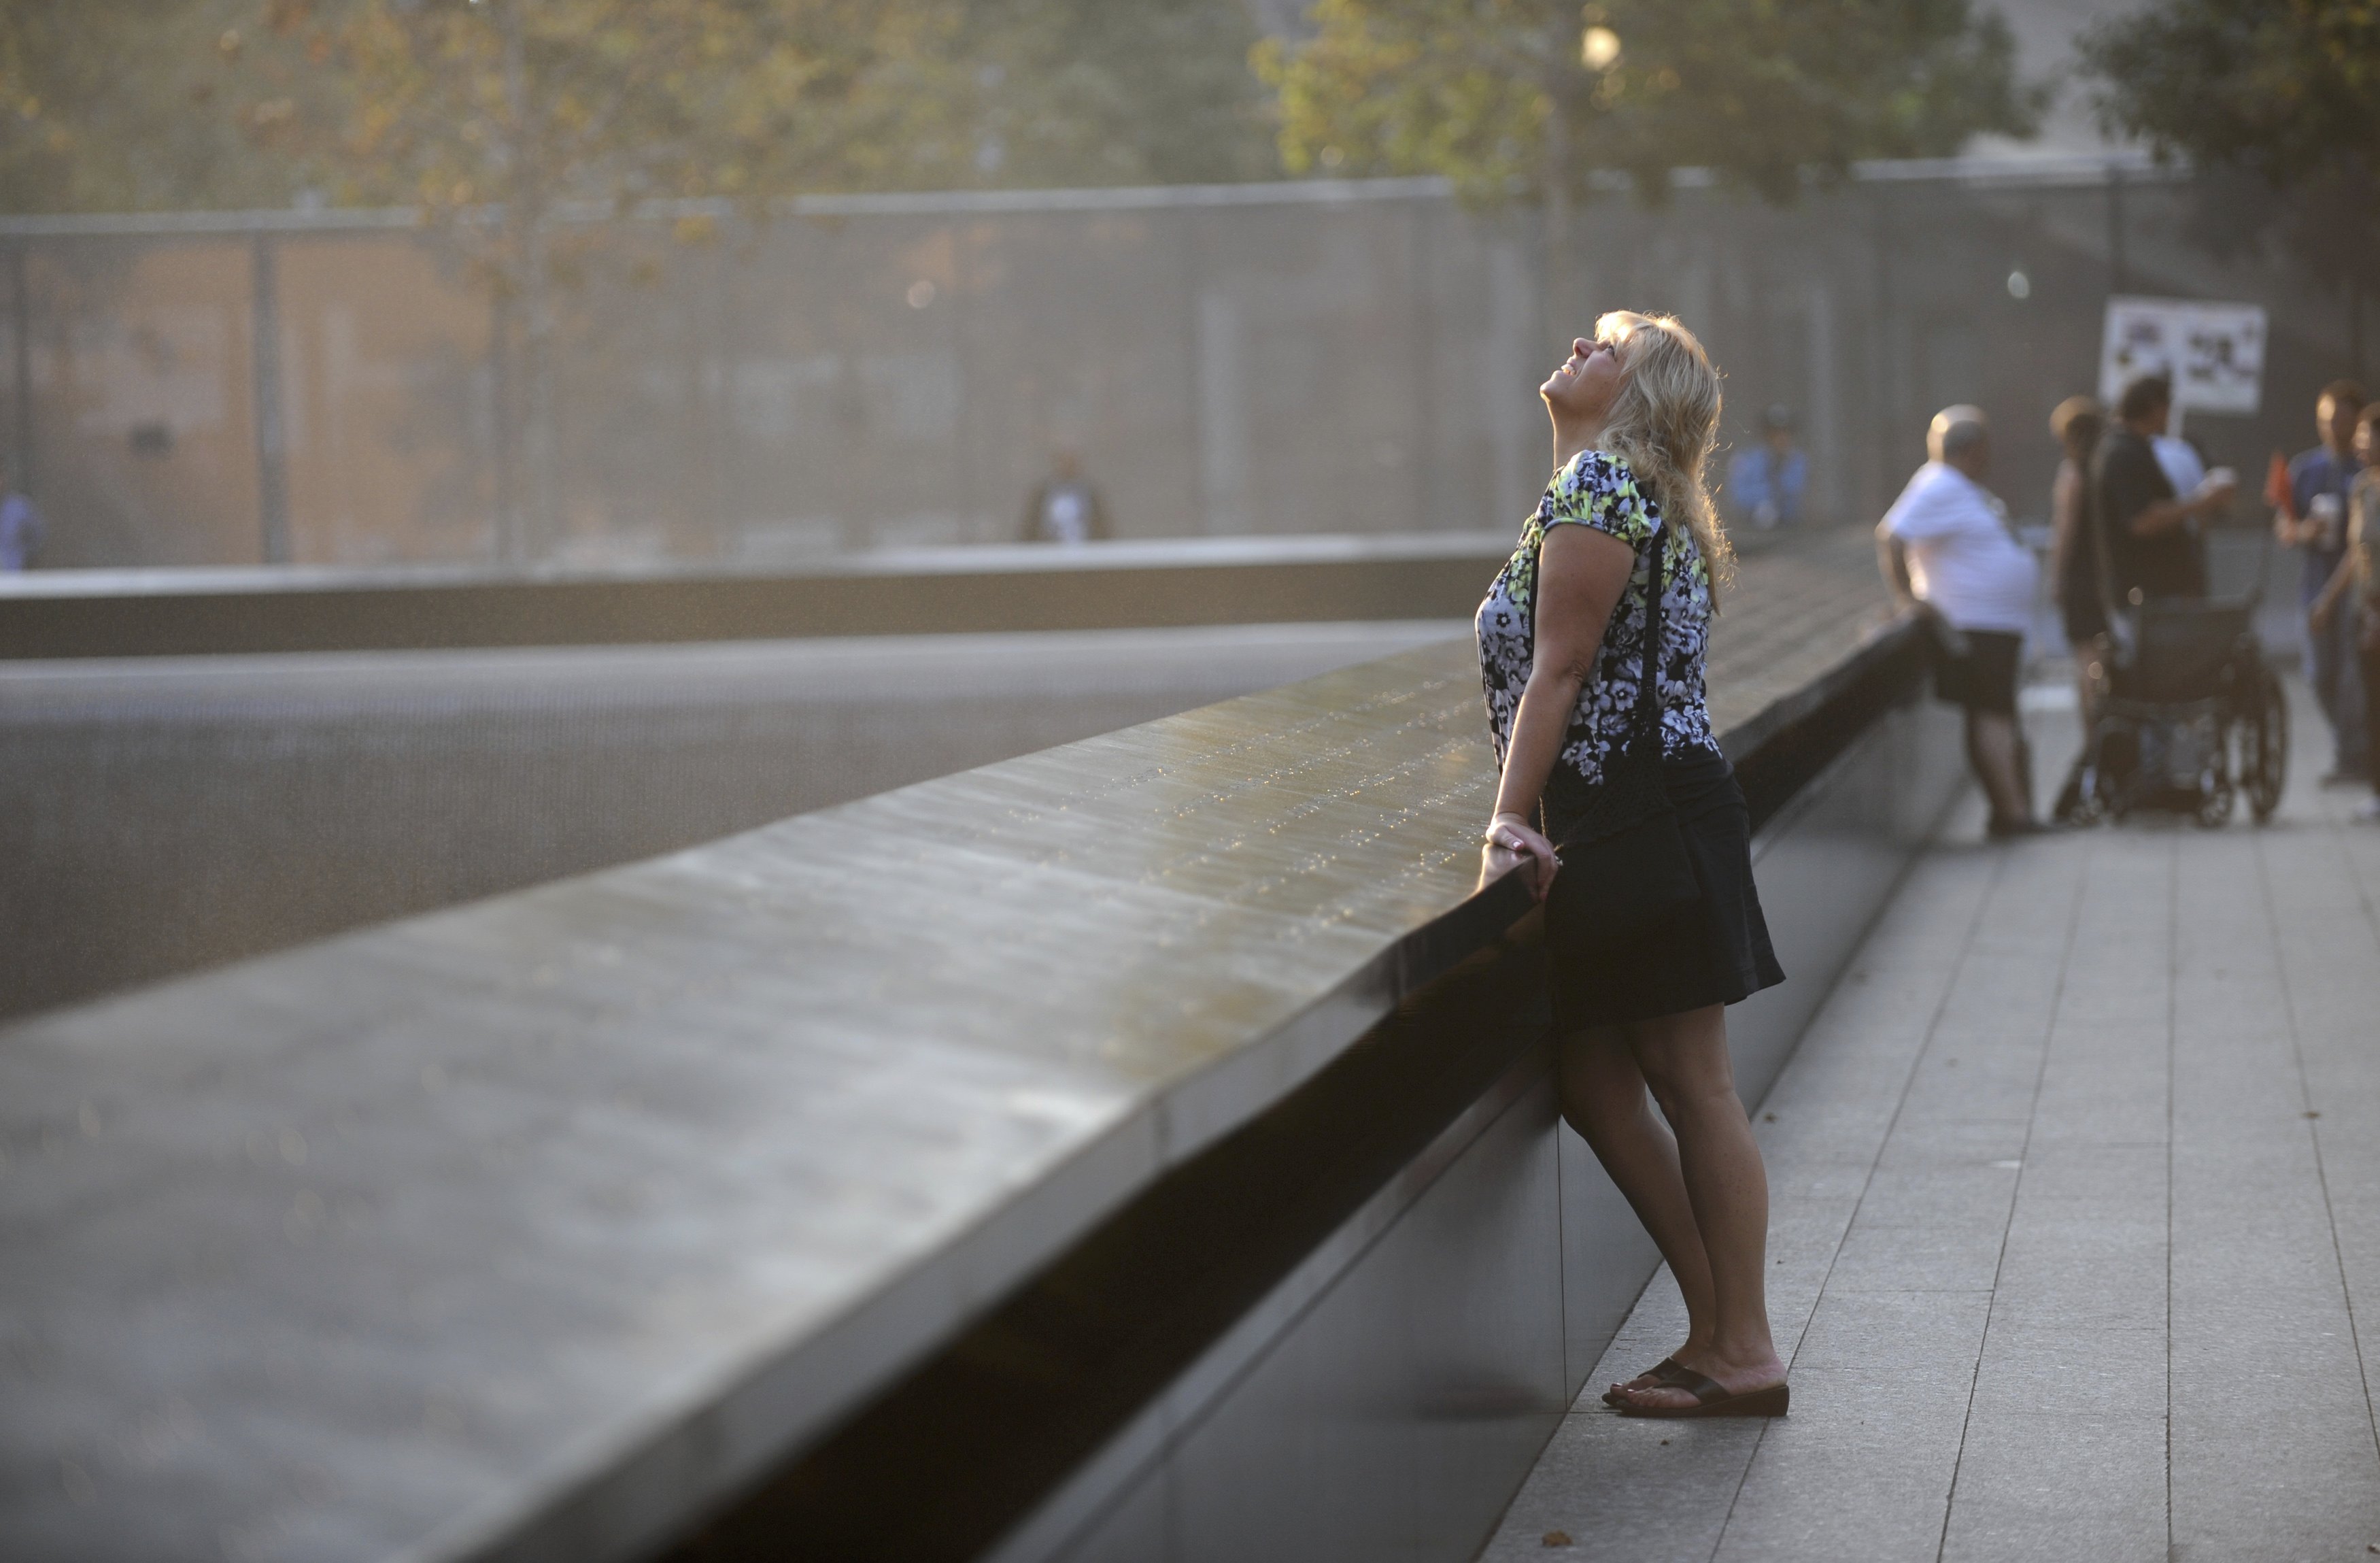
{"points": [[2075, 1243]]}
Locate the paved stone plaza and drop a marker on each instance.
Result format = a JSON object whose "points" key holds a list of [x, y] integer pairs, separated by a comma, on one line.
{"points": [[2076, 1248]]}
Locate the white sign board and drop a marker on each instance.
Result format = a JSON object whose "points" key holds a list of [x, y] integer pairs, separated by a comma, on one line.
{"points": [[2215, 352]]}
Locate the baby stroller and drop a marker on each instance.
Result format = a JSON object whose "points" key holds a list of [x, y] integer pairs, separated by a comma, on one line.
{"points": [[2189, 713]]}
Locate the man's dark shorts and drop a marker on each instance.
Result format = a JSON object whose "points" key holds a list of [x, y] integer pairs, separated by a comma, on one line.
{"points": [[1986, 679]]}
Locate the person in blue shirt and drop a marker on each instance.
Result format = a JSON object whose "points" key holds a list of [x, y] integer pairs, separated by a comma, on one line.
{"points": [[21, 526], [2320, 481], [1766, 484]]}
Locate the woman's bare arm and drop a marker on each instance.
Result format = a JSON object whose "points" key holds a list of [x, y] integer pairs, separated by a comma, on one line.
{"points": [[1581, 572], [2164, 515], [2349, 571]]}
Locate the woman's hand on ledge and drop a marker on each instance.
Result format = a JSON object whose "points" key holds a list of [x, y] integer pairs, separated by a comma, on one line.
{"points": [[1512, 843]]}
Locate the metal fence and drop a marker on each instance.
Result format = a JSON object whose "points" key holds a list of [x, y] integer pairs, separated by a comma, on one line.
{"points": [[865, 371]]}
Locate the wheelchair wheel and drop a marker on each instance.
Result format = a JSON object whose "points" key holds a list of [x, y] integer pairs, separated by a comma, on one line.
{"points": [[2214, 796], [2265, 745]]}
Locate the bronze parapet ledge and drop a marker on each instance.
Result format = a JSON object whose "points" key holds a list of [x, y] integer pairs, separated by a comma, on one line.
{"points": [[751, 1200]]}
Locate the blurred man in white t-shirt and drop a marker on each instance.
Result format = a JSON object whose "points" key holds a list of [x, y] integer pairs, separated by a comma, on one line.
{"points": [[1946, 547]]}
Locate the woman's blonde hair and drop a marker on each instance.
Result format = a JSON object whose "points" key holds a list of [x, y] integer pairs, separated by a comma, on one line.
{"points": [[1665, 422]]}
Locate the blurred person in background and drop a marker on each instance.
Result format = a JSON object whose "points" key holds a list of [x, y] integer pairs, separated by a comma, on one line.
{"points": [[2352, 594], [21, 526], [2147, 528], [1066, 507], [1764, 486], [2319, 483], [2077, 424], [1946, 548], [2182, 459]]}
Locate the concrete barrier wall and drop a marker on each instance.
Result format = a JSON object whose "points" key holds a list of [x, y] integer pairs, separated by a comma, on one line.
{"points": [[539, 1227], [1178, 1090], [899, 367]]}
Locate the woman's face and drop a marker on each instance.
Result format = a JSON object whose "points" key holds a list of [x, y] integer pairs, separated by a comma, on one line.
{"points": [[1585, 385], [2367, 442]]}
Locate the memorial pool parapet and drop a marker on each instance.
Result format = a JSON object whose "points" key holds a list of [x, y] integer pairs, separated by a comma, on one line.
{"points": [[617, 1214]]}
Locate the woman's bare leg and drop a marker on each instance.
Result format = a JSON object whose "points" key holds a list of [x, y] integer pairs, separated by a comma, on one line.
{"points": [[1684, 1059], [1603, 1097], [1994, 746], [2087, 674]]}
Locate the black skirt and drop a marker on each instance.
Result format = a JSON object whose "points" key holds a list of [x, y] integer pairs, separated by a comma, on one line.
{"points": [[1714, 952]]}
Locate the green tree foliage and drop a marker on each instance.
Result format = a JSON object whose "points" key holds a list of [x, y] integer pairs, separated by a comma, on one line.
{"points": [[126, 105], [2278, 105], [456, 102], [494, 115], [1499, 94], [756, 98], [2290, 88], [1114, 92], [489, 115]]}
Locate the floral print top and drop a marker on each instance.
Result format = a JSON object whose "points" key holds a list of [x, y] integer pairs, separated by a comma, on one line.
{"points": [[1596, 489]]}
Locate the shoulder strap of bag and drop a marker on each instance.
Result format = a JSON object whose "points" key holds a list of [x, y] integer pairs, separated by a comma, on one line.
{"points": [[1648, 689]]}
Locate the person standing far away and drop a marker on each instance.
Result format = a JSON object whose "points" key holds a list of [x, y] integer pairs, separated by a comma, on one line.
{"points": [[1065, 508], [2074, 575], [2319, 481], [1593, 645], [2146, 534], [1764, 486], [21, 526], [2353, 590], [1945, 549]]}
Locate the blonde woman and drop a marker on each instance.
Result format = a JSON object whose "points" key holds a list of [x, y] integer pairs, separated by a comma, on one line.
{"points": [[1562, 642]]}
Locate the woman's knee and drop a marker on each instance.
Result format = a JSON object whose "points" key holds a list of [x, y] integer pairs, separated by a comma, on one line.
{"points": [[1683, 1058], [1595, 1076], [1692, 1097]]}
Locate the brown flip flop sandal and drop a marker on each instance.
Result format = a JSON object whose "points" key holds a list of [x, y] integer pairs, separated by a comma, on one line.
{"points": [[1711, 1399], [1666, 1371]]}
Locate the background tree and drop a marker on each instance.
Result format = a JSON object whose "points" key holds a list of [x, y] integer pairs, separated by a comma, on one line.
{"points": [[2277, 103], [492, 116], [139, 104], [125, 106], [1491, 92], [1530, 96], [1116, 92]]}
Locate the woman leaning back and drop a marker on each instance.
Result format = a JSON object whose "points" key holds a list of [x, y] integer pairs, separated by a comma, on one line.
{"points": [[1560, 635]]}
